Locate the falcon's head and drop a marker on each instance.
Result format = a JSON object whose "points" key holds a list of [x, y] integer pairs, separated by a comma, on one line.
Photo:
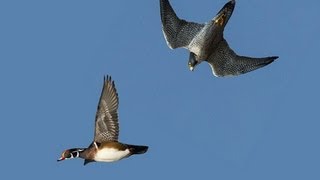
{"points": [[192, 63]]}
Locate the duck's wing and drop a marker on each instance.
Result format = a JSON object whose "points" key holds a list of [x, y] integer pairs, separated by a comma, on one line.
{"points": [[106, 122]]}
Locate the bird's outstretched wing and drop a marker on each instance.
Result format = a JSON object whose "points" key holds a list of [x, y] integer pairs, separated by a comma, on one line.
{"points": [[106, 122], [177, 32], [225, 62]]}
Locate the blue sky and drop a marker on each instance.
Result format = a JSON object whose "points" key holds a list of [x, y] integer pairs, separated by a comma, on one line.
{"points": [[262, 125]]}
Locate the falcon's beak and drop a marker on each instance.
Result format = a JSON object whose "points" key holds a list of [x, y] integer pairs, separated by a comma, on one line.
{"points": [[191, 68]]}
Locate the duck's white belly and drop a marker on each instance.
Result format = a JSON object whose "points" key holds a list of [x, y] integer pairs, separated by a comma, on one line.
{"points": [[110, 155]]}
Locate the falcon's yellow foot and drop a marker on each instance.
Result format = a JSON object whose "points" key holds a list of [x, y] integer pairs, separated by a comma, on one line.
{"points": [[220, 19]]}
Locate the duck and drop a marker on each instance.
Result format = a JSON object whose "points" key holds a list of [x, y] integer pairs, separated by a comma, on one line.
{"points": [[105, 146], [205, 42]]}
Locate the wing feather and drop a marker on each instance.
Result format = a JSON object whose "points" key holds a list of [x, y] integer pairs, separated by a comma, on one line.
{"points": [[225, 62], [106, 122], [177, 32]]}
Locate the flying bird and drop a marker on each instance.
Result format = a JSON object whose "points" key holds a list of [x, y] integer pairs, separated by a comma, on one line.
{"points": [[206, 42], [105, 146]]}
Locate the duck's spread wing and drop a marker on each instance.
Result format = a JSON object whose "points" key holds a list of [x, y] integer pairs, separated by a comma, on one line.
{"points": [[177, 32], [106, 122]]}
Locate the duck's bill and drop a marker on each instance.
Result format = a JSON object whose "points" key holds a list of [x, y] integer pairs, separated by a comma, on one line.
{"points": [[61, 159]]}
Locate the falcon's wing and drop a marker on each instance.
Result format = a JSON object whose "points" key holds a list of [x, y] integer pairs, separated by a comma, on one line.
{"points": [[225, 62], [177, 32], [106, 123]]}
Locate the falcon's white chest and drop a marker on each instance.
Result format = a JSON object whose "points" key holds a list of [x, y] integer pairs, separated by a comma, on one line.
{"points": [[110, 154]]}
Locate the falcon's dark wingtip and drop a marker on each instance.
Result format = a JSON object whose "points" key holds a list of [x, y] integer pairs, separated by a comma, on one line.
{"points": [[272, 58]]}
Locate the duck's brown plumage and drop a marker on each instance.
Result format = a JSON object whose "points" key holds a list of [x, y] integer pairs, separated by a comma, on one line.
{"points": [[106, 122], [105, 142]]}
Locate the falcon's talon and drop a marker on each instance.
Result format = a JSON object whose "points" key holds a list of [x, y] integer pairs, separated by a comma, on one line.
{"points": [[220, 19]]}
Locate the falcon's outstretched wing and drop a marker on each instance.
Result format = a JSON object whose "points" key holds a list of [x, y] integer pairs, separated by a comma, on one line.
{"points": [[225, 62], [177, 32]]}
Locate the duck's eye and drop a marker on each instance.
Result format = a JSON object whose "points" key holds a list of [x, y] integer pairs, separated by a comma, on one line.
{"points": [[67, 155]]}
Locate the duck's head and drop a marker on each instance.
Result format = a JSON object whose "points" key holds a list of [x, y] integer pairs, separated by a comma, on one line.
{"points": [[70, 153]]}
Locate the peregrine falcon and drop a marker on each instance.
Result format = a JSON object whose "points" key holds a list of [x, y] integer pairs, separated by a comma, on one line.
{"points": [[206, 42]]}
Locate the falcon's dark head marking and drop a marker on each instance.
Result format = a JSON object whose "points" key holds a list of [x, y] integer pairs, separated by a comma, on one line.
{"points": [[192, 63]]}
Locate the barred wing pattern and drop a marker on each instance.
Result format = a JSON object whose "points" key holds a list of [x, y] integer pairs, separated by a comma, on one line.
{"points": [[106, 123], [225, 62], [177, 32]]}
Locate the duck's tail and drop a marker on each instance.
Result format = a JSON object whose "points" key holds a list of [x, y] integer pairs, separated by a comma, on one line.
{"points": [[134, 149]]}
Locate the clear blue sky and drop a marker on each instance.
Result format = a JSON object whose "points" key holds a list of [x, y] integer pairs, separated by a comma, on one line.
{"points": [[262, 125]]}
